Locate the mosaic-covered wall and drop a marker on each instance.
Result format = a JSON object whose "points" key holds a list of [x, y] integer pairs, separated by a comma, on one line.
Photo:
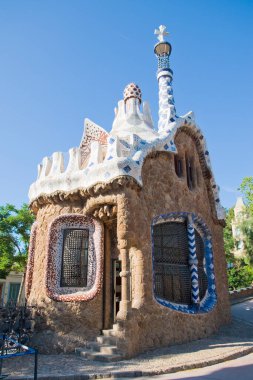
{"points": [[54, 258]]}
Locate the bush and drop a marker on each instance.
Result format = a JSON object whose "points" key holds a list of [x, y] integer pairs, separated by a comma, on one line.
{"points": [[240, 276]]}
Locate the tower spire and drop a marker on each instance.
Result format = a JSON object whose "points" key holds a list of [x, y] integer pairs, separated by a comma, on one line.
{"points": [[167, 110]]}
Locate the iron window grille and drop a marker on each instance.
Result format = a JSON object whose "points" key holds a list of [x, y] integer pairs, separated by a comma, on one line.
{"points": [[75, 258], [172, 263]]}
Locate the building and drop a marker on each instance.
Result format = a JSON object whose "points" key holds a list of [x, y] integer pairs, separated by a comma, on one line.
{"points": [[11, 288], [239, 216], [128, 238]]}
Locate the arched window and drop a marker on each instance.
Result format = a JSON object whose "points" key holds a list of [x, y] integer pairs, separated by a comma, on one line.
{"points": [[74, 261], [178, 166], [189, 173], [182, 263]]}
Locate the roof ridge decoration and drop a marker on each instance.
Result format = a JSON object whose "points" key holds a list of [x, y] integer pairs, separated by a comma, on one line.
{"points": [[103, 157]]}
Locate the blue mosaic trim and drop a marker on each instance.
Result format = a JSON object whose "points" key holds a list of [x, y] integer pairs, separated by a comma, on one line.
{"points": [[163, 62], [210, 298], [193, 263], [167, 109]]}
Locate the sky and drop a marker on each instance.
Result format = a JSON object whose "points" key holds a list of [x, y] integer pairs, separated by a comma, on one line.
{"points": [[62, 61]]}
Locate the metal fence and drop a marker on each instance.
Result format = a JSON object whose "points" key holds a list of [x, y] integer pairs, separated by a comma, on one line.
{"points": [[16, 327]]}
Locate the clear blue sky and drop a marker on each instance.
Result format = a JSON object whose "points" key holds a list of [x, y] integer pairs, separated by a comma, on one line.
{"points": [[61, 61]]}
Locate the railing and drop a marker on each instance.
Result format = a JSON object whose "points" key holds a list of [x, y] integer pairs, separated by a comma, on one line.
{"points": [[10, 348], [16, 326]]}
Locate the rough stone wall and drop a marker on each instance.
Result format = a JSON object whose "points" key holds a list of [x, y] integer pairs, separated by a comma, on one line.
{"points": [[144, 324], [241, 293], [149, 324], [60, 326]]}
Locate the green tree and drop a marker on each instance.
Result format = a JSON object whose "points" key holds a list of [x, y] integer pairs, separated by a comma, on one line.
{"points": [[247, 231], [246, 225], [246, 188], [15, 225], [240, 276], [228, 236]]}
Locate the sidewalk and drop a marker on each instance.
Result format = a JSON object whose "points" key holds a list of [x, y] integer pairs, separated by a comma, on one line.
{"points": [[230, 342]]}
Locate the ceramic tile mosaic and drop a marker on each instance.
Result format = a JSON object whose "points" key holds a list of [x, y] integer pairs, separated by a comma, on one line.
{"points": [[193, 261], [121, 152], [92, 133], [210, 299], [54, 258], [30, 262], [132, 90]]}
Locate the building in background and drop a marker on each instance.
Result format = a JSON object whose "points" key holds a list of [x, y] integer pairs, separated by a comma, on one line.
{"points": [[127, 248], [239, 216], [11, 288]]}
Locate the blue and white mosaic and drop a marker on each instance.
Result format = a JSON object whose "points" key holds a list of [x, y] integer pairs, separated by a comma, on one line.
{"points": [[103, 156], [210, 299]]}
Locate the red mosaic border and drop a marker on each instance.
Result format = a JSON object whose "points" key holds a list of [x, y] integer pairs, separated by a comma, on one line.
{"points": [[54, 257], [30, 262]]}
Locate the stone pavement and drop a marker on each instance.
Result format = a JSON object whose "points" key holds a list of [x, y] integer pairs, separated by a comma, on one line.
{"points": [[240, 368], [230, 342]]}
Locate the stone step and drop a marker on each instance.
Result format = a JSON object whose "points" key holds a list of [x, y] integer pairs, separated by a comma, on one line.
{"points": [[98, 356], [102, 348], [117, 326], [109, 350], [109, 332], [110, 340]]}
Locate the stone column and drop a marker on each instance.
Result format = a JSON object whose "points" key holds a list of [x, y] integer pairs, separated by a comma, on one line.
{"points": [[125, 302], [107, 279], [122, 227]]}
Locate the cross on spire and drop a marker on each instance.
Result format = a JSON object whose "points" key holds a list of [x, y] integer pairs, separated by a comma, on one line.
{"points": [[161, 33]]}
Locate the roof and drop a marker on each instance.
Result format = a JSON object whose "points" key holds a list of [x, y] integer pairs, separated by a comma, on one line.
{"points": [[103, 157]]}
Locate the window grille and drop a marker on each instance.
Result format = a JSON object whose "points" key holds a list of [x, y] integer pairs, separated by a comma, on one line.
{"points": [[75, 258], [171, 269], [172, 275]]}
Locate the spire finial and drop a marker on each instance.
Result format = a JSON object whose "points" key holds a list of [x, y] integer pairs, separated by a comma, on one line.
{"points": [[161, 33]]}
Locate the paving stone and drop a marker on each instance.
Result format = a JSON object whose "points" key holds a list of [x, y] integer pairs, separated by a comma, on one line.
{"points": [[230, 342]]}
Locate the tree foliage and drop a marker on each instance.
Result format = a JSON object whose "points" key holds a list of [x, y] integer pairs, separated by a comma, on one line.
{"points": [[246, 188], [240, 276], [15, 225], [247, 231], [228, 236]]}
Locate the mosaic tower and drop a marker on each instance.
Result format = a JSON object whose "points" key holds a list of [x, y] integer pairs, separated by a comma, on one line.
{"points": [[167, 109]]}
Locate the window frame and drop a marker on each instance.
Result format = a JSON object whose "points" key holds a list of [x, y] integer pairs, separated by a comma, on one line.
{"points": [[54, 290], [210, 298]]}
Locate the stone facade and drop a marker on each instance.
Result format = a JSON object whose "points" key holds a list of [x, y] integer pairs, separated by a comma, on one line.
{"points": [[133, 178], [71, 324]]}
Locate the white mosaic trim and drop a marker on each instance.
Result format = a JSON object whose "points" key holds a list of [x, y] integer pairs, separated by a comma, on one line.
{"points": [[131, 139]]}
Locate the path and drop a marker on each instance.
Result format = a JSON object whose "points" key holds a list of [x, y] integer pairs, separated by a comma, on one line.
{"points": [[230, 342]]}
